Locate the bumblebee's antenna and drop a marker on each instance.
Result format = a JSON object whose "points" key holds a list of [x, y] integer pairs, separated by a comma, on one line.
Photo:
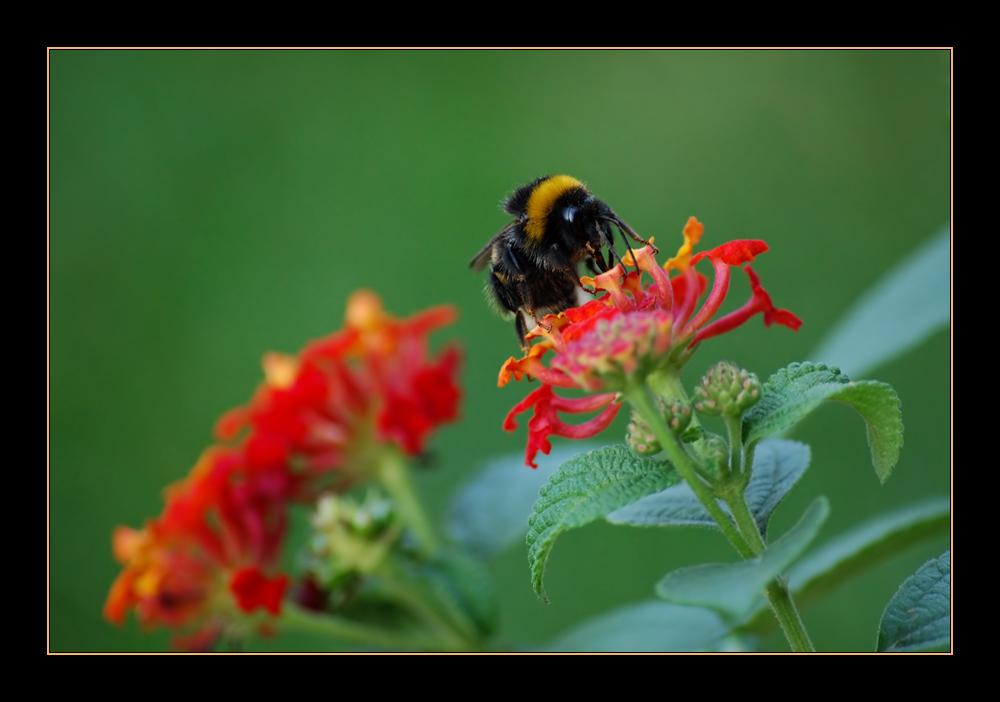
{"points": [[625, 228], [622, 227]]}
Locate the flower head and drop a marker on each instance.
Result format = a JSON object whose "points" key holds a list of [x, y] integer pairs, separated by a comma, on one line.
{"points": [[633, 330], [371, 383], [203, 561], [320, 419]]}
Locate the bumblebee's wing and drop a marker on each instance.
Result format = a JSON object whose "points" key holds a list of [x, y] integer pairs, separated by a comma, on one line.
{"points": [[483, 257]]}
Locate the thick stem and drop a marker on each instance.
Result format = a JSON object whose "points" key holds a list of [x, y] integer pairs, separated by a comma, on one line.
{"points": [[394, 474], [788, 616], [639, 399], [744, 520], [777, 592]]}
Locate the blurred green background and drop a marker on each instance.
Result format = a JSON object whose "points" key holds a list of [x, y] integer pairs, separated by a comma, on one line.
{"points": [[207, 207]]}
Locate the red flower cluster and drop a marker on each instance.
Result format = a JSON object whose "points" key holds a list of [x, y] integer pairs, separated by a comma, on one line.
{"points": [[320, 419], [630, 332]]}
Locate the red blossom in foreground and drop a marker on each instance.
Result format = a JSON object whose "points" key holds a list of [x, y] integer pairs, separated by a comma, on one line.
{"points": [[318, 420], [629, 332], [178, 570], [373, 377], [254, 590]]}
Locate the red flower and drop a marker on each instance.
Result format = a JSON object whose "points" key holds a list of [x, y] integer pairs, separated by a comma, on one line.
{"points": [[546, 420], [254, 590], [320, 417], [630, 332], [374, 378], [180, 569]]}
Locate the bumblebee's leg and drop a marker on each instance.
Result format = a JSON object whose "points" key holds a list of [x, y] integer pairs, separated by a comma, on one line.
{"points": [[522, 332], [609, 239], [592, 267], [631, 253], [546, 327], [512, 261], [506, 292], [529, 304]]}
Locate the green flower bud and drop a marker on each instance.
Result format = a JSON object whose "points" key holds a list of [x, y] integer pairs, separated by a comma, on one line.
{"points": [[714, 451], [677, 415], [726, 390], [350, 536], [640, 438]]}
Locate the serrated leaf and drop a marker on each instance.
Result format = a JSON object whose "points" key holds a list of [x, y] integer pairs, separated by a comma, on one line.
{"points": [[872, 542], [646, 627], [586, 488], [798, 389], [918, 617], [490, 512], [778, 465], [732, 589], [907, 305]]}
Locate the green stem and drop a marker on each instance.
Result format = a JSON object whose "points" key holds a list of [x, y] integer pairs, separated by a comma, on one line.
{"points": [[394, 474], [734, 425], [744, 519], [788, 616], [777, 592], [744, 536], [639, 399], [294, 618], [456, 631]]}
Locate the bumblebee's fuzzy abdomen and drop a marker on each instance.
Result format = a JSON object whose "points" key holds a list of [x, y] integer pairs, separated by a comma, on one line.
{"points": [[551, 293], [506, 292]]}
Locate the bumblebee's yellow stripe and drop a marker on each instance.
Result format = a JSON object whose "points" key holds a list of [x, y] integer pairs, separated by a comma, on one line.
{"points": [[543, 197]]}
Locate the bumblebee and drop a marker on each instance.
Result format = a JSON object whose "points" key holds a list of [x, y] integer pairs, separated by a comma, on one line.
{"points": [[534, 259]]}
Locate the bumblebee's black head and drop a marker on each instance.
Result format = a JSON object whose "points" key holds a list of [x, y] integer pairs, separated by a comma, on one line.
{"points": [[543, 205], [560, 223]]}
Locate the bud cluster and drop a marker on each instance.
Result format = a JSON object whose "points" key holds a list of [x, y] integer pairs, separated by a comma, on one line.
{"points": [[350, 536], [640, 437], [727, 390]]}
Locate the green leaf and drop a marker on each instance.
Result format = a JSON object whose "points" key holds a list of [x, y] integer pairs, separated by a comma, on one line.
{"points": [[902, 309], [646, 627], [675, 506], [866, 545], [490, 512], [732, 589], [465, 588], [586, 488], [918, 617], [798, 389], [778, 465]]}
